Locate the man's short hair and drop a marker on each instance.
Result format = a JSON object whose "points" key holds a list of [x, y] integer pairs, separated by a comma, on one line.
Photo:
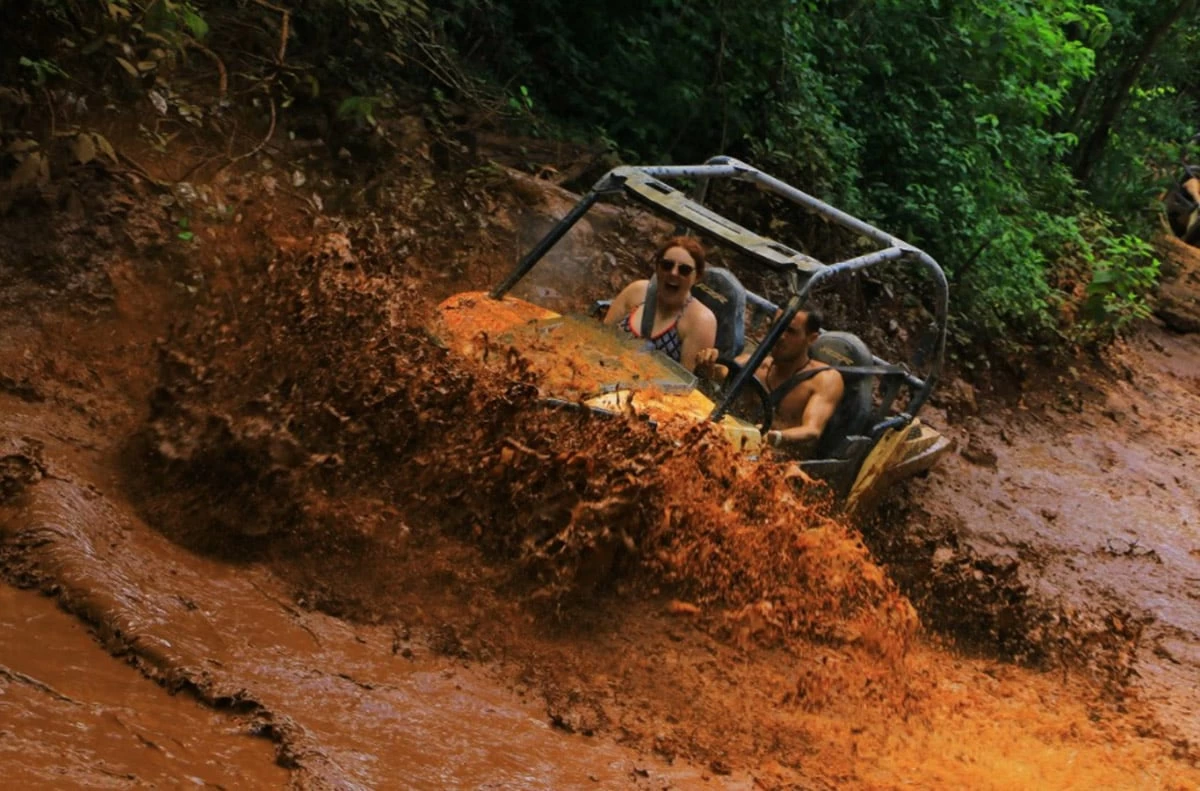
{"points": [[812, 320]]}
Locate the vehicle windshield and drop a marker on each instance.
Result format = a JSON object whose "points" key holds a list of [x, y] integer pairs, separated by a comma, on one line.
{"points": [[580, 357]]}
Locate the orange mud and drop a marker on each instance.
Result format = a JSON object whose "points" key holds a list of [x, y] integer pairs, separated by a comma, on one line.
{"points": [[573, 356], [256, 476]]}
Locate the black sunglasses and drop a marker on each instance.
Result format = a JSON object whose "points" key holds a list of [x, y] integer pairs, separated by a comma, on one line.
{"points": [[666, 265]]}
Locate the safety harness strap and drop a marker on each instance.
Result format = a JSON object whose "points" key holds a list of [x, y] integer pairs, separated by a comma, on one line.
{"points": [[781, 392]]}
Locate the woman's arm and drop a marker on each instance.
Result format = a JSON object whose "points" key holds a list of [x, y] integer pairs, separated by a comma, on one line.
{"points": [[629, 298], [698, 331]]}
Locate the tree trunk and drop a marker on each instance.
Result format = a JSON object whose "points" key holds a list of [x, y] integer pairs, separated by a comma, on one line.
{"points": [[1114, 104]]}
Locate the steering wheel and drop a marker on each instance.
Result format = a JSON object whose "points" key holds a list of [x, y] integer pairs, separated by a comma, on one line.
{"points": [[753, 404]]}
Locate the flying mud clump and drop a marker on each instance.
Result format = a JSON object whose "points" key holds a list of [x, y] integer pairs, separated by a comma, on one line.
{"points": [[312, 408]]}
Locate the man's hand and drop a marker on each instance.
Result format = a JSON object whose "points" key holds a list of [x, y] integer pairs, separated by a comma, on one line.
{"points": [[706, 364], [799, 439]]}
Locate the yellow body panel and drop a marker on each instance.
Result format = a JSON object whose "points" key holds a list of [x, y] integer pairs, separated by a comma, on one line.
{"points": [[900, 452], [692, 406]]}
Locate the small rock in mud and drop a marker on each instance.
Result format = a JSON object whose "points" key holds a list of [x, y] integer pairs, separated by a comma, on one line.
{"points": [[445, 641], [19, 471], [957, 396], [573, 713], [719, 767], [978, 453], [22, 388]]}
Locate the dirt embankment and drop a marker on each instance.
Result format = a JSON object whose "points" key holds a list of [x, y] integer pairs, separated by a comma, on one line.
{"points": [[1178, 303], [252, 469]]}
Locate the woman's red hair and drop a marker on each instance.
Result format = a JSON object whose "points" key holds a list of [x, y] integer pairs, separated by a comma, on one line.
{"points": [[689, 243]]}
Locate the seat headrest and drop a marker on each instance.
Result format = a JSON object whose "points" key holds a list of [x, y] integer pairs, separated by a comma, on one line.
{"points": [[724, 295], [853, 413], [835, 347]]}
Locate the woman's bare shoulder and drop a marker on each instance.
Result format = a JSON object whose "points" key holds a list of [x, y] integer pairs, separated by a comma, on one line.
{"points": [[633, 293], [637, 287], [699, 314]]}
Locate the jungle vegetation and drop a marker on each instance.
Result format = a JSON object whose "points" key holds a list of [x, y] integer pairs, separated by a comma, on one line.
{"points": [[1023, 143]]}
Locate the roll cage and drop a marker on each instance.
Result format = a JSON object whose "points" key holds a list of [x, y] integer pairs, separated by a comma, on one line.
{"points": [[647, 185]]}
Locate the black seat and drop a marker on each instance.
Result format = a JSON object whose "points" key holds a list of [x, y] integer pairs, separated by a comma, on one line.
{"points": [[724, 295], [854, 412]]}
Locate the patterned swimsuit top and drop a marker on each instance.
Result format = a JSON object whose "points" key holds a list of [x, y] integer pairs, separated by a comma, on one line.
{"points": [[668, 341]]}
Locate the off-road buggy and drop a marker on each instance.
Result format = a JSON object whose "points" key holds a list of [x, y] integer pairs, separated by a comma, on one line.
{"points": [[873, 439]]}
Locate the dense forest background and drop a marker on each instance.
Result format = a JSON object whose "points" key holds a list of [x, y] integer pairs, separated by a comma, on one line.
{"points": [[1024, 143]]}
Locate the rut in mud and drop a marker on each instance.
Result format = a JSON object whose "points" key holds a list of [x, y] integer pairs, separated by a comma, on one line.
{"points": [[344, 535]]}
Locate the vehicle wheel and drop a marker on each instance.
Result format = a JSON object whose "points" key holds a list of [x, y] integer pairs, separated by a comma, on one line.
{"points": [[752, 405]]}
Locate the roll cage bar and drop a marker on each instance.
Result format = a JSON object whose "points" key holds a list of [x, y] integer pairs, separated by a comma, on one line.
{"points": [[802, 272]]}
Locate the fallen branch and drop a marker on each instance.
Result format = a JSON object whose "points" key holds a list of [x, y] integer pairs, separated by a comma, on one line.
{"points": [[260, 146], [229, 158], [265, 140], [515, 445], [140, 170]]}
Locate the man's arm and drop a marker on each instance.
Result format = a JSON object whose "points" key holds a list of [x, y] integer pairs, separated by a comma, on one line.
{"points": [[1192, 187], [827, 393]]}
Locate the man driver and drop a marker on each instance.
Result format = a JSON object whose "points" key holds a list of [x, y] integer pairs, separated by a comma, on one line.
{"points": [[802, 408]]}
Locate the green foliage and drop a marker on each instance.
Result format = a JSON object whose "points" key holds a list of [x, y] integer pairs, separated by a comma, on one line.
{"points": [[360, 108], [1122, 278], [1143, 147], [360, 44], [962, 152], [185, 233], [42, 69], [173, 19], [522, 102], [945, 123]]}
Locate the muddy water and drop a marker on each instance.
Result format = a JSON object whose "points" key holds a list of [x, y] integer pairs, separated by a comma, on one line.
{"points": [[72, 715], [351, 706], [1100, 505], [361, 706]]}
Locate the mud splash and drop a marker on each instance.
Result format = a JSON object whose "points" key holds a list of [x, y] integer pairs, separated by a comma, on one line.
{"points": [[257, 438]]}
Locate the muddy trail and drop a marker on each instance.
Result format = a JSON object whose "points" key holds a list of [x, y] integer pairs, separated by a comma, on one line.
{"points": [[1083, 500], [338, 556]]}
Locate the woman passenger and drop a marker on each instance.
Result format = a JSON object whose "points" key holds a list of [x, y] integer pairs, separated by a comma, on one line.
{"points": [[683, 326]]}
